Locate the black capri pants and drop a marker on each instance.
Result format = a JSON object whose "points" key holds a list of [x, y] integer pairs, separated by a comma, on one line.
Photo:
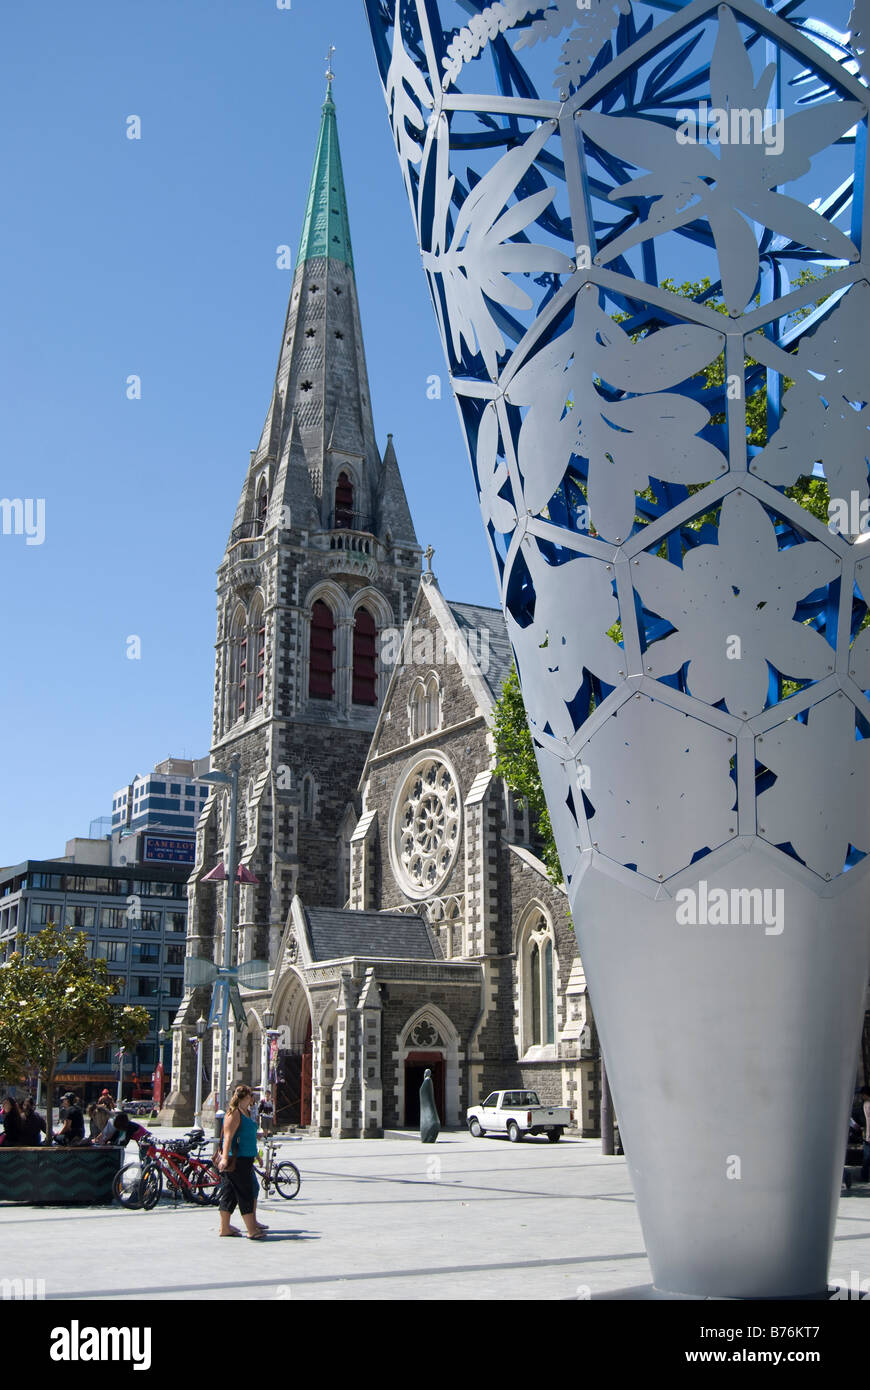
{"points": [[238, 1186]]}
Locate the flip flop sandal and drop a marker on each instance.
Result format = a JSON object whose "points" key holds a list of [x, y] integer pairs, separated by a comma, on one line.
{"points": [[258, 1235]]}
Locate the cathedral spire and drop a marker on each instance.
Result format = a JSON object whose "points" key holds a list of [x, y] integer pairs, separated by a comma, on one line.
{"points": [[326, 229], [318, 462]]}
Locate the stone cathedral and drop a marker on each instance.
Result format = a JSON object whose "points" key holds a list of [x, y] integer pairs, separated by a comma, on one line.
{"points": [[396, 894]]}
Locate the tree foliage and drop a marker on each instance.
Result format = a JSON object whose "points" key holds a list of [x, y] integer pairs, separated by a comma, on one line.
{"points": [[54, 998], [516, 763]]}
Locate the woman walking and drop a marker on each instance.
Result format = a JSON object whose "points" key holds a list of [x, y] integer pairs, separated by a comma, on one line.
{"points": [[238, 1151]]}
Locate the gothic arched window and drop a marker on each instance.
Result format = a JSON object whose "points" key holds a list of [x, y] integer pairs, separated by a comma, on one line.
{"points": [[432, 704], [414, 710], [344, 501], [322, 652], [262, 504], [258, 634], [537, 990], [238, 666], [365, 675]]}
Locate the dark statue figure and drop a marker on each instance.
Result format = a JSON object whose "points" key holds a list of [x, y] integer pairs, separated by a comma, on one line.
{"points": [[430, 1124]]}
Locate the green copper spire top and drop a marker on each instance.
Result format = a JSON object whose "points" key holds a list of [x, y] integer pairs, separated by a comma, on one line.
{"points": [[326, 229]]}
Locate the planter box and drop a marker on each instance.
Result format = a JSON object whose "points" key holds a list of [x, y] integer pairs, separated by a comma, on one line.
{"points": [[59, 1176]]}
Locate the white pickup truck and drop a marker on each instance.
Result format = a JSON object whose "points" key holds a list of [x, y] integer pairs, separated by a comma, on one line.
{"points": [[518, 1113]]}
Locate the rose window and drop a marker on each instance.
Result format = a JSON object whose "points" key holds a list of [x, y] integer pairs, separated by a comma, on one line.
{"points": [[426, 827]]}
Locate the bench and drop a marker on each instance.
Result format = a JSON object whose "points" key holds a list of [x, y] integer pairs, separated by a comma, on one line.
{"points": [[58, 1175]]}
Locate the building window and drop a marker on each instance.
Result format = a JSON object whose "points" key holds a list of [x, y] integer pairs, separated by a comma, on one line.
{"points": [[307, 796], [538, 993], [322, 652], [174, 955], [176, 921], [262, 504], [344, 501], [43, 913], [114, 951], [432, 706], [238, 667], [176, 987], [424, 707], [146, 986], [146, 953], [365, 679], [258, 629], [147, 921], [45, 881], [114, 918], [242, 685]]}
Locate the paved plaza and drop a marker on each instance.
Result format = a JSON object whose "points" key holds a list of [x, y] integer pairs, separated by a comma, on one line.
{"points": [[381, 1219]]}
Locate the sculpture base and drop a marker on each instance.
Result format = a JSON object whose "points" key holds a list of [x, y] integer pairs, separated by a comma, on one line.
{"points": [[731, 1050]]}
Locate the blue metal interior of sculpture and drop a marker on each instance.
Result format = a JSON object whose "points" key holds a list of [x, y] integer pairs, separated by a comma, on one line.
{"points": [[598, 405]]}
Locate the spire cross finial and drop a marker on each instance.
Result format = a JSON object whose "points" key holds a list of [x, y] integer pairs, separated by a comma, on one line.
{"points": [[329, 73], [428, 553]]}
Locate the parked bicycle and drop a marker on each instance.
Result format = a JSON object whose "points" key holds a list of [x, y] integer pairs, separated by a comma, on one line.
{"points": [[284, 1176], [178, 1164]]}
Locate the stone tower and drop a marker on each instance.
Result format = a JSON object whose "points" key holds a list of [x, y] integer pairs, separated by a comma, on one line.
{"points": [[321, 558]]}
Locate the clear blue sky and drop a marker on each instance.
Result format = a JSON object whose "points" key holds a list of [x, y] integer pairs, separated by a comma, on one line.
{"points": [[158, 257]]}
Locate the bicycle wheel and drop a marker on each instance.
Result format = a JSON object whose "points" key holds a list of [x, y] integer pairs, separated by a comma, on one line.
{"points": [[127, 1186], [205, 1178], [287, 1180], [152, 1185]]}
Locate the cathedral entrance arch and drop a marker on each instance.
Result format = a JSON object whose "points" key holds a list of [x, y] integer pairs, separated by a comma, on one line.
{"points": [[430, 1040], [293, 1066], [416, 1064]]}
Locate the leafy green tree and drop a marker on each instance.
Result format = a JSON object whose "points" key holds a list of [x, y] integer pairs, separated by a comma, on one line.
{"points": [[54, 998], [516, 763]]}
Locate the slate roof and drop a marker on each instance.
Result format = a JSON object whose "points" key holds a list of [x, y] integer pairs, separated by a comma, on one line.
{"points": [[472, 617], [335, 933]]}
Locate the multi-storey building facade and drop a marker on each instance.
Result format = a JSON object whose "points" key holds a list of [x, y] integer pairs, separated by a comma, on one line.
{"points": [[135, 917], [169, 799]]}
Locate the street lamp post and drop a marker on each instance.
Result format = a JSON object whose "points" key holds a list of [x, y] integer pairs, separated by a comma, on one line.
{"points": [[230, 779], [200, 1034], [268, 1020], [120, 1093]]}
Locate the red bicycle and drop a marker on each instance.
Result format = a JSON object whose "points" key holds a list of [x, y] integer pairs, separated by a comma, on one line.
{"points": [[172, 1163]]}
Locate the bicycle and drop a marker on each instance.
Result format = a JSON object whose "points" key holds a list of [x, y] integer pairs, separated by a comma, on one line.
{"points": [[284, 1176], [141, 1184]]}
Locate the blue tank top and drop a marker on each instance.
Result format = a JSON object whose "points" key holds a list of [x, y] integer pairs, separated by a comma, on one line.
{"points": [[244, 1143]]}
